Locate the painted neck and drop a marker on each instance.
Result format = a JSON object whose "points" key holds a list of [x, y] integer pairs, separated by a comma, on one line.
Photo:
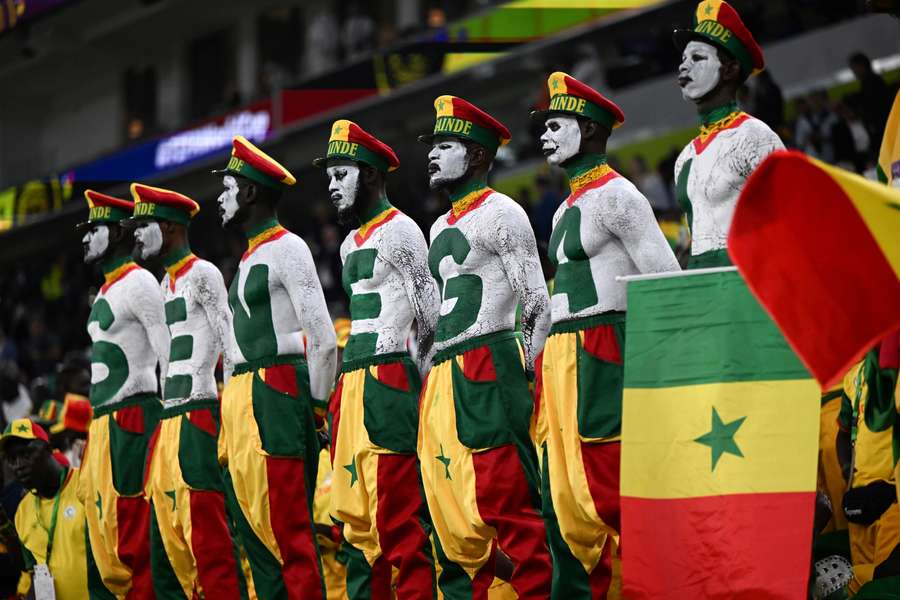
{"points": [[463, 189], [374, 209], [258, 227], [710, 115], [108, 265], [175, 255], [580, 164]]}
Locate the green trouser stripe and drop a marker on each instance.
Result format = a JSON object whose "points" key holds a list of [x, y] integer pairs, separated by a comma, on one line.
{"points": [[128, 450], [96, 589], [165, 581], [569, 578], [359, 574], [710, 259], [705, 328], [197, 455], [264, 567], [600, 389], [453, 582]]}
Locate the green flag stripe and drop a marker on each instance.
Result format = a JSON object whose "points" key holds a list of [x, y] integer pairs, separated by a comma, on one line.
{"points": [[702, 329]]}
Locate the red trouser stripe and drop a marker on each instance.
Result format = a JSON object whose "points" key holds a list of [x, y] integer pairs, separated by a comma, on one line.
{"points": [[211, 545], [292, 526], [400, 532], [504, 502], [134, 544], [601, 465]]}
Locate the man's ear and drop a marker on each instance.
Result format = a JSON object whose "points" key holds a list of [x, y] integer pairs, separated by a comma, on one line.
{"points": [[478, 156], [730, 71], [251, 193], [117, 233], [369, 175]]}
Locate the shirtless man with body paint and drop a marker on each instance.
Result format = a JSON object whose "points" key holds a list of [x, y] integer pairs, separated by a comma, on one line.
{"points": [[479, 466], [604, 229], [717, 57], [374, 408]]}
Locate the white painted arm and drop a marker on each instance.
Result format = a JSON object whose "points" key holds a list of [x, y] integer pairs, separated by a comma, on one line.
{"points": [[518, 252], [627, 214], [147, 303], [298, 274], [213, 298], [408, 253]]}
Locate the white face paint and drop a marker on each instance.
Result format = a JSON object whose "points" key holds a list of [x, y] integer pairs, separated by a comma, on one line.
{"points": [[148, 239], [698, 73], [447, 162], [343, 183], [228, 204], [95, 242], [561, 140]]}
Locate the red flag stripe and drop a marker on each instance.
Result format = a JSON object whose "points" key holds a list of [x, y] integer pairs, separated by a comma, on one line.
{"points": [[765, 539]]}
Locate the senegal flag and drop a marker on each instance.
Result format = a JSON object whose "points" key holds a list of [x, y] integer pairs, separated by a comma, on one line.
{"points": [[720, 430], [820, 248]]}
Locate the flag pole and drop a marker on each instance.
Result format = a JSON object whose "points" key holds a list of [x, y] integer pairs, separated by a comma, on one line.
{"points": [[668, 274]]}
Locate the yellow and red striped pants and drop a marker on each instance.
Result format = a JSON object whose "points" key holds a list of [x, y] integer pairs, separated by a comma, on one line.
{"points": [[268, 443], [192, 553], [111, 489]]}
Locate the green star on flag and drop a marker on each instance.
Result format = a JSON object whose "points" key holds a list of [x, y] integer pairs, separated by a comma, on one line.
{"points": [[440, 105], [351, 468], [444, 460], [720, 438], [22, 428]]}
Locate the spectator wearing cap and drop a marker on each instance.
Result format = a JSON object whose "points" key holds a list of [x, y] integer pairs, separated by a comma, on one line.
{"points": [[68, 433], [479, 466], [719, 53], [50, 519]]}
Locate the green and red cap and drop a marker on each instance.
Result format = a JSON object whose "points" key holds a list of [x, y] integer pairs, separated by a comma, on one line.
{"points": [[105, 209], [718, 23], [349, 140], [460, 119], [249, 161], [152, 203], [572, 97]]}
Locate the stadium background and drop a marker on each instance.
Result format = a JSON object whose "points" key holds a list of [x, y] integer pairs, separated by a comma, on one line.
{"points": [[100, 93]]}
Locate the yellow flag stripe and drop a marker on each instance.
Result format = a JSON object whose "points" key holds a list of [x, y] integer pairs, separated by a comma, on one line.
{"points": [[778, 438], [879, 207]]}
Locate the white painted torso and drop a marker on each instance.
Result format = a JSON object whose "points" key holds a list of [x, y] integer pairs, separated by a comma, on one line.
{"points": [[717, 176], [136, 304], [399, 241], [207, 323], [496, 229], [620, 236]]}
